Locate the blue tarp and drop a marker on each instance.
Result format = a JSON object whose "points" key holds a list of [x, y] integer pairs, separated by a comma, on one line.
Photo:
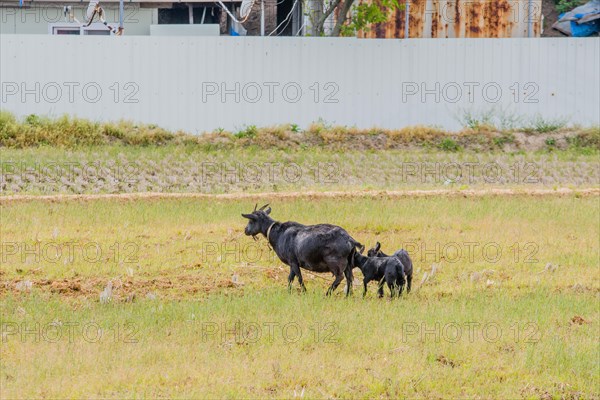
{"points": [[581, 21], [586, 29]]}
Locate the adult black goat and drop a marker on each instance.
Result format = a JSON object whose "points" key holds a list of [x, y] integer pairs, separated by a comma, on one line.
{"points": [[404, 258], [318, 248], [380, 269]]}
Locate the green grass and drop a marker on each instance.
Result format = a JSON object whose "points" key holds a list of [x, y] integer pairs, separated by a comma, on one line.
{"points": [[271, 344], [183, 267], [223, 324], [168, 234], [480, 134]]}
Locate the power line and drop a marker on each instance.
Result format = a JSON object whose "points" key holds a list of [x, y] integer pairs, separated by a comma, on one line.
{"points": [[286, 19], [231, 15]]}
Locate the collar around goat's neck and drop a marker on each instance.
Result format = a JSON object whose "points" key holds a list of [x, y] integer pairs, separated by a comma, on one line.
{"points": [[269, 232]]}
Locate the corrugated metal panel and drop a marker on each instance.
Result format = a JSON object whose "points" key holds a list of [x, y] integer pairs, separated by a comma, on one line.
{"points": [[462, 19], [201, 84]]}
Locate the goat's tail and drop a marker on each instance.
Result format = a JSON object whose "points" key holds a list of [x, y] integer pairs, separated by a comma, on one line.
{"points": [[351, 262], [355, 244]]}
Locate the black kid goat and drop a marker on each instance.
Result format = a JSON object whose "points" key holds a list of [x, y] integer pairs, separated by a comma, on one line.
{"points": [[404, 258], [381, 269]]}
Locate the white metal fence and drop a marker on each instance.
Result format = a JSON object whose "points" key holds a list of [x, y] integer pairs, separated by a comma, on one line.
{"points": [[200, 84]]}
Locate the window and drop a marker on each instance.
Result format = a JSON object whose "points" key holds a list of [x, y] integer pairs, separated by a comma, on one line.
{"points": [[96, 32], [73, 28], [65, 30], [180, 14]]}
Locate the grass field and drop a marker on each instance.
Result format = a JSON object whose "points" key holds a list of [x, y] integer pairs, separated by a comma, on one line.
{"points": [[505, 301], [157, 293]]}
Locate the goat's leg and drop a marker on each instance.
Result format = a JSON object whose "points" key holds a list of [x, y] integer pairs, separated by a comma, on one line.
{"points": [[338, 269], [380, 287], [349, 280], [300, 280], [295, 269], [365, 281], [291, 279], [401, 282], [392, 287], [408, 283], [338, 278]]}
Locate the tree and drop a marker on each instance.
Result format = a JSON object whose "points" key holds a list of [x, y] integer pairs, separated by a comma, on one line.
{"points": [[362, 15]]}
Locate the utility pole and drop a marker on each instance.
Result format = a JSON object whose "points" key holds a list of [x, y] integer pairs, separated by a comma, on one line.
{"points": [[529, 19], [262, 17], [121, 12], [406, 19]]}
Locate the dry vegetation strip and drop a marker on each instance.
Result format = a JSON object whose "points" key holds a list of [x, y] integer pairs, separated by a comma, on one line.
{"points": [[478, 135]]}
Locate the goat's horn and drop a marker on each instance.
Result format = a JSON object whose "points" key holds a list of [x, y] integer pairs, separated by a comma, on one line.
{"points": [[265, 206], [256, 205]]}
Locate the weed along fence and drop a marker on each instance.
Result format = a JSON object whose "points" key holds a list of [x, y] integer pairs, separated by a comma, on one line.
{"points": [[201, 84]]}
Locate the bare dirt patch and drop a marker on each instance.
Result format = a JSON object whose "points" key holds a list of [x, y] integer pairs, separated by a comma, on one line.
{"points": [[579, 320], [124, 290], [550, 17], [308, 194], [446, 361]]}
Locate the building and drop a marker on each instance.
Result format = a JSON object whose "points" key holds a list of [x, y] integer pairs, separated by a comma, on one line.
{"points": [[42, 17], [426, 18]]}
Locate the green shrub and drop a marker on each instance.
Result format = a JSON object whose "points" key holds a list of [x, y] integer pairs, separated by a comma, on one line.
{"points": [[449, 144], [114, 131], [588, 138], [35, 120], [250, 132], [503, 139], [540, 125], [563, 6], [9, 127], [478, 122]]}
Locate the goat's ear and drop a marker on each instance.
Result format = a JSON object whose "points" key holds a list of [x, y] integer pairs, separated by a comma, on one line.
{"points": [[377, 246], [249, 216], [268, 211]]}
